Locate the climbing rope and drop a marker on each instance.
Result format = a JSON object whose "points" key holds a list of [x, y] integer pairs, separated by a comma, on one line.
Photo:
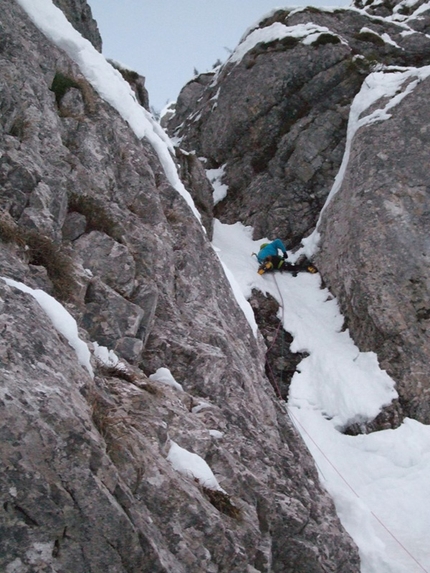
{"points": [[297, 423]]}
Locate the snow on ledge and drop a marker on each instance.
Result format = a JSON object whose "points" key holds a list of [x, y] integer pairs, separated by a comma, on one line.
{"points": [[108, 83], [164, 376], [192, 465], [61, 319], [277, 31]]}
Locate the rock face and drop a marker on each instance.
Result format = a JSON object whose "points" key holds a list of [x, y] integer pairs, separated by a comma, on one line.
{"points": [[377, 263], [275, 115], [79, 14], [89, 217]]}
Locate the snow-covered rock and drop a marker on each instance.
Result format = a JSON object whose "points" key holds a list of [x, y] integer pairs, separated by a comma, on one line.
{"points": [[374, 239], [280, 117], [86, 482]]}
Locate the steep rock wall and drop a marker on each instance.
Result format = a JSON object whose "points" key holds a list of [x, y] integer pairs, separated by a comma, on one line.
{"points": [[276, 117], [375, 245], [276, 113], [89, 217]]}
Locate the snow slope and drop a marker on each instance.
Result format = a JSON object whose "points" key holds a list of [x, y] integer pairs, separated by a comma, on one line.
{"points": [[380, 482]]}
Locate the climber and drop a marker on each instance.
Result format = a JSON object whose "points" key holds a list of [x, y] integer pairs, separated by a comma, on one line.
{"points": [[270, 251], [270, 260]]}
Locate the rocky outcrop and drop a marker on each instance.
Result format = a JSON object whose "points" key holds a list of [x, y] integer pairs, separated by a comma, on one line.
{"points": [[194, 177], [136, 81], [87, 484], [281, 363], [375, 247], [276, 112], [79, 14], [89, 217], [275, 116]]}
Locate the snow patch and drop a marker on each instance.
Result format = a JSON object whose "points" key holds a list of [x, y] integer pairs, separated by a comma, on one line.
{"points": [[200, 407], [241, 300], [385, 37], [108, 357], [164, 376], [276, 31], [220, 189], [192, 465], [216, 434], [62, 320]]}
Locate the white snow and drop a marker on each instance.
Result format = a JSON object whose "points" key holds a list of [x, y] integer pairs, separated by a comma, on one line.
{"points": [[220, 189], [385, 37], [108, 83], [420, 10], [405, 4], [424, 7], [107, 357], [388, 40], [192, 465], [201, 406], [62, 320], [164, 376], [216, 96], [379, 482], [216, 434], [387, 87], [240, 299], [276, 31]]}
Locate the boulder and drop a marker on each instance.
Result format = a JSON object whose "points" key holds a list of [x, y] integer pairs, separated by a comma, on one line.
{"points": [[107, 259], [108, 316]]}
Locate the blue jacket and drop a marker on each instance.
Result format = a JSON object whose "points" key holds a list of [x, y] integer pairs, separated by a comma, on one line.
{"points": [[271, 250]]}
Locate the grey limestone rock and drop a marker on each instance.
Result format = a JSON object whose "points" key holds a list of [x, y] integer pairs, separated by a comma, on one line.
{"points": [[130, 348], [375, 246], [78, 12], [107, 259], [74, 226], [277, 118], [194, 177], [109, 316], [85, 483], [146, 298]]}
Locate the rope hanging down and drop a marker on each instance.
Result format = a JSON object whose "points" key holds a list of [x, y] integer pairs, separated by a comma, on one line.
{"points": [[296, 423]]}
